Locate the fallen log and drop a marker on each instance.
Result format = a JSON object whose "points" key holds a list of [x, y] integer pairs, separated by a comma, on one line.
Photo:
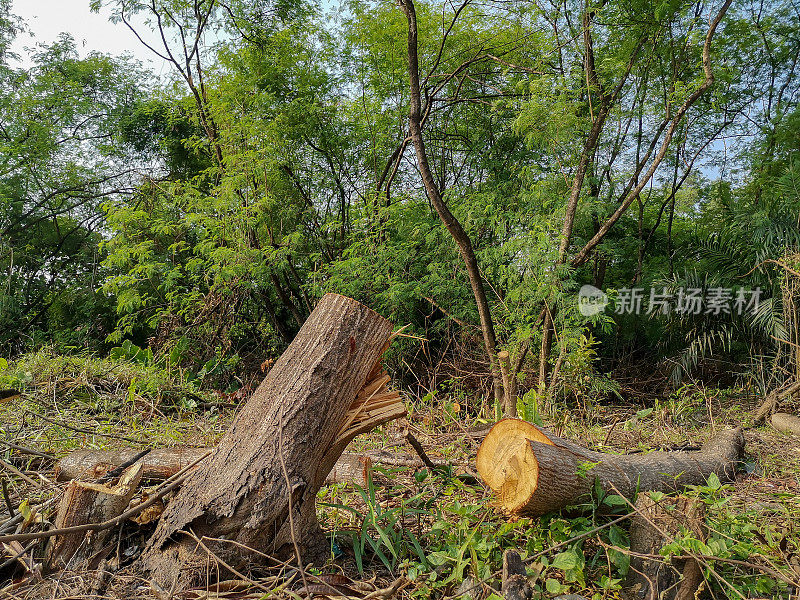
{"points": [[258, 488], [534, 472], [771, 402], [86, 503], [163, 463], [786, 423], [157, 465]]}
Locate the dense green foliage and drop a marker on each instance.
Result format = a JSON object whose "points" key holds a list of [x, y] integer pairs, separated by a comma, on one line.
{"points": [[203, 216]]}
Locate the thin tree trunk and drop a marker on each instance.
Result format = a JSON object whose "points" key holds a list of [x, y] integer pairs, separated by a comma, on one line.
{"points": [[607, 100], [286, 299], [434, 194], [584, 253]]}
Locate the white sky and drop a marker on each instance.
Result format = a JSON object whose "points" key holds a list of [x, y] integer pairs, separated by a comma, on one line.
{"points": [[92, 32]]}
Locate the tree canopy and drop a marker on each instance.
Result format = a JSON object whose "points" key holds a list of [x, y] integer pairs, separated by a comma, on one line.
{"points": [[638, 146]]}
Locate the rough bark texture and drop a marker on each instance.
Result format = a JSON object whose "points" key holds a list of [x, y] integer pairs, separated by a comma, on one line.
{"points": [[163, 463], [650, 531], [83, 503], [327, 387], [159, 464], [534, 472]]}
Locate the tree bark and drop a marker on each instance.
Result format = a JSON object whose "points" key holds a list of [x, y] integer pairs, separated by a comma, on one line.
{"points": [[449, 220], [653, 527], [258, 488], [534, 472], [83, 503], [163, 463], [607, 100]]}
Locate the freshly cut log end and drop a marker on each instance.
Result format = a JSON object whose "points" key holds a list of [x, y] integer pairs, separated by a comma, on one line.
{"points": [[533, 472], [507, 463]]}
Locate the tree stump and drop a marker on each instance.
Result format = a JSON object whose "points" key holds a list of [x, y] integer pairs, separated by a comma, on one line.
{"points": [[534, 472], [651, 528], [86, 503], [326, 388]]}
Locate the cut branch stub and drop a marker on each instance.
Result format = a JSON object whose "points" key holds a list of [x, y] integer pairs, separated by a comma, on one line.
{"points": [[84, 503], [534, 472], [326, 388]]}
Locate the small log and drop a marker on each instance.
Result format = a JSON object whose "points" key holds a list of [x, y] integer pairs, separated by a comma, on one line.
{"points": [[771, 402], [786, 423], [84, 503], [163, 463], [157, 465], [651, 529], [534, 472]]}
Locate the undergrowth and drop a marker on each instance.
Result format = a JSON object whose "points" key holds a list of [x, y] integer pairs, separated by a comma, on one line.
{"points": [[438, 528]]}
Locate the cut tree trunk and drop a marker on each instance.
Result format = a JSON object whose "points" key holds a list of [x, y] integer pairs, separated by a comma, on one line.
{"points": [[534, 472], [163, 463], [258, 488], [84, 503], [654, 526]]}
